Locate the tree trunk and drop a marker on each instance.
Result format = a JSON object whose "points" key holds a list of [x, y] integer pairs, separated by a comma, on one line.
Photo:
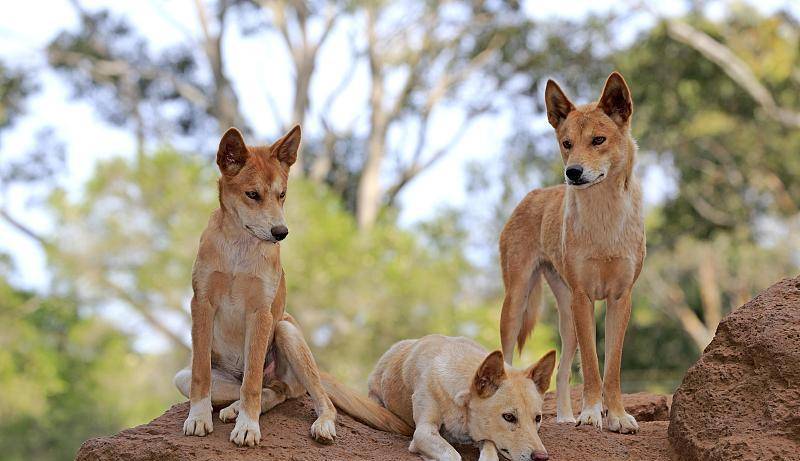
{"points": [[368, 195], [304, 68]]}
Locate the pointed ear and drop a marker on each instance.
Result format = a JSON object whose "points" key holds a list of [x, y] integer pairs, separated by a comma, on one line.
{"points": [[232, 152], [616, 99], [542, 371], [490, 374], [558, 104], [286, 148]]}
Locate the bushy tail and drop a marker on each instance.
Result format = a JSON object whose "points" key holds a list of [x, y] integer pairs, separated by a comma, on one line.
{"points": [[531, 313], [362, 408]]}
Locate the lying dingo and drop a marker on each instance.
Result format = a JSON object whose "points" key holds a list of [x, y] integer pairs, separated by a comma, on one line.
{"points": [[451, 390]]}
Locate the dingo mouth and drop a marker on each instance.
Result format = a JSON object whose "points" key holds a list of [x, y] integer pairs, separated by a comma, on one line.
{"points": [[261, 235], [582, 184]]}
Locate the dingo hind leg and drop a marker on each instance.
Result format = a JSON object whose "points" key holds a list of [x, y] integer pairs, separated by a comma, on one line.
{"points": [[270, 397], [226, 390], [569, 344], [302, 368]]}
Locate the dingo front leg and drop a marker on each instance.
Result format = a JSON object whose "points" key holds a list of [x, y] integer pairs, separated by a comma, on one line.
{"points": [[293, 347], [430, 445], [583, 316], [257, 338], [199, 421], [427, 441], [618, 312]]}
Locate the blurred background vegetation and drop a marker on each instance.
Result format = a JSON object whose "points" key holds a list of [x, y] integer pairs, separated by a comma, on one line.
{"points": [[387, 92]]}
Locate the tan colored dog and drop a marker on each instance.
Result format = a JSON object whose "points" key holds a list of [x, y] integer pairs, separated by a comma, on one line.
{"points": [[453, 390], [587, 239], [246, 351]]}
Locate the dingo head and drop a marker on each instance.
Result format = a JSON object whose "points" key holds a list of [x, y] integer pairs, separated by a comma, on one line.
{"points": [[594, 138], [252, 188], [505, 406]]}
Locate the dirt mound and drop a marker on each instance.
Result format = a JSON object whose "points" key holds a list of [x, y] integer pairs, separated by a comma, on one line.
{"points": [[285, 436], [741, 400]]}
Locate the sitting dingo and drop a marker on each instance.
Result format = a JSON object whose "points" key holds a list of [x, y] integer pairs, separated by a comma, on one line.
{"points": [[453, 390], [246, 350]]}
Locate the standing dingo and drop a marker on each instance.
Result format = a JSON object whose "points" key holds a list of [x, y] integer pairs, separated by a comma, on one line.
{"points": [[586, 238]]}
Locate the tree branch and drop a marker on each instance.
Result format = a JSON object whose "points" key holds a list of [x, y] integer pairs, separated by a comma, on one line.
{"points": [[146, 313], [678, 308], [16, 224], [709, 289], [416, 167], [734, 67]]}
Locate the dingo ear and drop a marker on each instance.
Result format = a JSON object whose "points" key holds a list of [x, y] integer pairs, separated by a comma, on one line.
{"points": [[558, 104], [542, 371], [616, 99], [490, 374], [232, 153], [286, 148]]}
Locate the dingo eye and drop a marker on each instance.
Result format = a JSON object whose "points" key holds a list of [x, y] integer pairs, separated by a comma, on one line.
{"points": [[252, 195], [283, 194], [510, 417], [597, 140], [538, 419], [567, 144]]}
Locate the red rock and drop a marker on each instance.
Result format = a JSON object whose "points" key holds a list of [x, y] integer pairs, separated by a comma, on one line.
{"points": [[741, 400]]}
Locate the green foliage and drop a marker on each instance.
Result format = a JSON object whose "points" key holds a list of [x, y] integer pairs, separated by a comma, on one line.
{"points": [[734, 163], [357, 293], [65, 377], [14, 88], [132, 234]]}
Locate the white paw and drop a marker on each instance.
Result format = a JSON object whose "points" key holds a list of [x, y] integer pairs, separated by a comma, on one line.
{"points": [[443, 457], [229, 413], [451, 455], [199, 420], [591, 415], [246, 431], [448, 455], [323, 430], [566, 418], [564, 414], [624, 423]]}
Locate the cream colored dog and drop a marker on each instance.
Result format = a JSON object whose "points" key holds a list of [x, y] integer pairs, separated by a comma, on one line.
{"points": [[247, 352], [586, 238], [452, 390]]}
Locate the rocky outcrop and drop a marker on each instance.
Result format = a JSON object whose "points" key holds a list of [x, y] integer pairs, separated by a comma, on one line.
{"points": [[741, 400], [285, 436]]}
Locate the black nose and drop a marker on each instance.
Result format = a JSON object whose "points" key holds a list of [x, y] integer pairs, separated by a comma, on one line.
{"points": [[279, 232], [540, 456], [574, 172]]}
